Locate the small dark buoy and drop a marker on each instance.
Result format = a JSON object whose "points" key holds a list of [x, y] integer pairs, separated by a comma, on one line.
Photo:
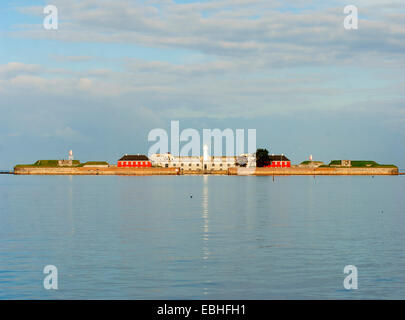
{"points": [[191, 196]]}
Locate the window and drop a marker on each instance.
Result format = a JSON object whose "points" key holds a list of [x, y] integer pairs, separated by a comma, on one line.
{"points": [[189, 164], [220, 164], [166, 165], [182, 164]]}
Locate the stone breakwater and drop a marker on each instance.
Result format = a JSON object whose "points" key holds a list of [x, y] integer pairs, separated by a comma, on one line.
{"points": [[326, 171], [96, 171], [232, 171]]}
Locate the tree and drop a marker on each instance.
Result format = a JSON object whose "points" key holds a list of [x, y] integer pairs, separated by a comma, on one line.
{"points": [[262, 157]]}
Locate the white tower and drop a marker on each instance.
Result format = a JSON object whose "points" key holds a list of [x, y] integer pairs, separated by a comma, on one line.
{"points": [[205, 153], [310, 157], [71, 155]]}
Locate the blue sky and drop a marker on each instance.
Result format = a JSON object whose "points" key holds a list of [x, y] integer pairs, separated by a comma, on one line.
{"points": [[114, 70]]}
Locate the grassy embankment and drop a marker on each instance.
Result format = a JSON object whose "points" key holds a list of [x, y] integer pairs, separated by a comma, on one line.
{"points": [[359, 164], [54, 164], [308, 162], [94, 163]]}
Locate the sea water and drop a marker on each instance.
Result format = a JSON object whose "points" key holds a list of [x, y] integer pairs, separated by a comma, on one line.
{"points": [[202, 237]]}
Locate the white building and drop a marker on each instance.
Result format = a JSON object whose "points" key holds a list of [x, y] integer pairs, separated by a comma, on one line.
{"points": [[201, 163], [251, 159]]}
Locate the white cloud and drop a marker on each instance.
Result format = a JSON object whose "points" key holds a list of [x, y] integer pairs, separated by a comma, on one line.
{"points": [[12, 69], [61, 58], [252, 55], [249, 29]]}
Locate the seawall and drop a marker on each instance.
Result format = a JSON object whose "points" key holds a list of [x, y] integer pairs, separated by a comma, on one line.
{"points": [[96, 171], [326, 171], [232, 171]]}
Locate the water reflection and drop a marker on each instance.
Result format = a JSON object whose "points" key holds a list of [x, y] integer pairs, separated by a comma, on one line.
{"points": [[205, 228], [205, 218], [70, 204]]}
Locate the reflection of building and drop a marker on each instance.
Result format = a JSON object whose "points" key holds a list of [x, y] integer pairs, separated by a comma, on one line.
{"points": [[197, 163], [134, 161], [278, 161]]}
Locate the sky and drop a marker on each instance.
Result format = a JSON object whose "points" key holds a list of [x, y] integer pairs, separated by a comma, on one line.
{"points": [[116, 69]]}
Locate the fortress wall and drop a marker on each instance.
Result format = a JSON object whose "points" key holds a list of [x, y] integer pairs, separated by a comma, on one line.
{"points": [[201, 172], [313, 171], [231, 171], [357, 171], [96, 171]]}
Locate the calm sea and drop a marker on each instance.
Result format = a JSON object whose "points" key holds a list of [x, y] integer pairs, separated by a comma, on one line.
{"points": [[202, 237]]}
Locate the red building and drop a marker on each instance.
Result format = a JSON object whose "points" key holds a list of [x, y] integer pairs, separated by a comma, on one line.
{"points": [[134, 161], [278, 161]]}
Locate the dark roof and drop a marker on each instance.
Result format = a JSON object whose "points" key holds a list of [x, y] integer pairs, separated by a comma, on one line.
{"points": [[278, 157], [138, 157]]}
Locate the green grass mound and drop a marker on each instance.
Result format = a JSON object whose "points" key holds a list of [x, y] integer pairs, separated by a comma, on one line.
{"points": [[361, 164], [46, 164], [95, 163], [308, 162]]}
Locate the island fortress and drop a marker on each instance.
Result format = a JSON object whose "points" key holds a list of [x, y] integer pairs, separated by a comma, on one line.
{"points": [[259, 163]]}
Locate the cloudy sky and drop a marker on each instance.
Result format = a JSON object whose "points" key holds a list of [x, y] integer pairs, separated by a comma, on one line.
{"points": [[116, 69]]}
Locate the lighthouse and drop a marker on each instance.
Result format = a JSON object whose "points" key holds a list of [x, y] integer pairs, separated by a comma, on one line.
{"points": [[205, 153]]}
